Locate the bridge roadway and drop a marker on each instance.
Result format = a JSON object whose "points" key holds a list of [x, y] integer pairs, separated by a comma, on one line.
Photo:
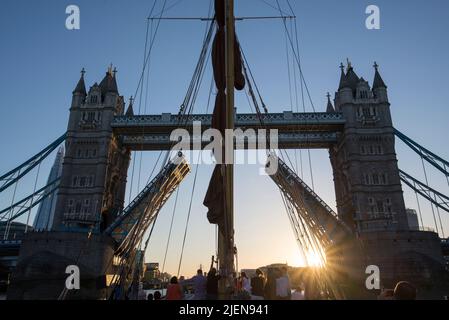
{"points": [[295, 130]]}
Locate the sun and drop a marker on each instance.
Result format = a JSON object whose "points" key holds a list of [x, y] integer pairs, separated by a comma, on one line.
{"points": [[314, 259]]}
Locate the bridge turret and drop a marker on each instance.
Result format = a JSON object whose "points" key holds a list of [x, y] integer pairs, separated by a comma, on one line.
{"points": [[330, 107], [368, 189], [379, 87], [130, 110], [94, 172], [79, 94], [344, 94], [108, 86]]}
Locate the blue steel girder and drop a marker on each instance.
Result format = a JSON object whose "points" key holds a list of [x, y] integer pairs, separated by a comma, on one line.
{"points": [[295, 130], [320, 218], [17, 209], [436, 161], [288, 140], [145, 207], [17, 173], [437, 198]]}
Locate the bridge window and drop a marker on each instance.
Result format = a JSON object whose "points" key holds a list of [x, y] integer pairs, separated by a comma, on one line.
{"points": [[364, 94], [366, 112], [86, 206], [383, 179], [366, 179], [380, 206], [74, 181], [78, 207], [82, 181], [388, 205], [94, 99], [90, 116], [371, 206], [70, 206], [379, 149]]}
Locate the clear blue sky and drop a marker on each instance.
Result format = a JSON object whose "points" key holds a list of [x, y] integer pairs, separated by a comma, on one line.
{"points": [[40, 62]]}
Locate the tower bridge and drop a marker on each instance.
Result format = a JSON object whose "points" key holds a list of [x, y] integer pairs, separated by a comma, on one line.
{"points": [[356, 128]]}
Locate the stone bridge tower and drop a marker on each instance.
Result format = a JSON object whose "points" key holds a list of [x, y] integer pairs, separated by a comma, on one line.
{"points": [[366, 175], [93, 182], [91, 193], [368, 189]]}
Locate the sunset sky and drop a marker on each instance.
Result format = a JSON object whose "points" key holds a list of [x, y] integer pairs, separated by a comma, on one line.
{"points": [[41, 60]]}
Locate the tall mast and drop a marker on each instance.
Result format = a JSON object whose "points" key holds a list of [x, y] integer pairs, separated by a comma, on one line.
{"points": [[226, 239]]}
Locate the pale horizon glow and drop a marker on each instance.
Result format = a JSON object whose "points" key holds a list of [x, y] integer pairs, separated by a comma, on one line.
{"points": [[41, 62]]}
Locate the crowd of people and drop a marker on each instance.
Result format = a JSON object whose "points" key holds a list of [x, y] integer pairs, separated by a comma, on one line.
{"points": [[275, 286], [205, 286]]}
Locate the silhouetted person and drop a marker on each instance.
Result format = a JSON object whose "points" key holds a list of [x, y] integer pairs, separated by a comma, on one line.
{"points": [[174, 290], [257, 283], [150, 296], [283, 288], [157, 295], [386, 294], [404, 291], [199, 285], [212, 284], [270, 285]]}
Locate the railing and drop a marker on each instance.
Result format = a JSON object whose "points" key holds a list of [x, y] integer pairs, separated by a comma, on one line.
{"points": [[243, 119]]}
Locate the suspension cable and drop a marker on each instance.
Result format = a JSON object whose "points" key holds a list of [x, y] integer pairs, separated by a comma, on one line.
{"points": [[32, 199], [427, 183], [8, 224], [419, 209]]}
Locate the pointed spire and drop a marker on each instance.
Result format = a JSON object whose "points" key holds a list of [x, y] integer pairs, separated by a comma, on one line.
{"points": [[109, 83], [352, 79], [349, 65], [343, 82], [81, 86], [130, 111], [330, 107], [378, 81]]}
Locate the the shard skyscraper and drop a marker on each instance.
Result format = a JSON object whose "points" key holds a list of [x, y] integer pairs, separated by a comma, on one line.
{"points": [[44, 218]]}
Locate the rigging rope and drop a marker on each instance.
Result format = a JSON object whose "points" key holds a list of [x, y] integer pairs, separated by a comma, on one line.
{"points": [[194, 184], [169, 232]]}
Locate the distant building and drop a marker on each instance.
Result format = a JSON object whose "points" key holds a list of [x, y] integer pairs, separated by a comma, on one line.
{"points": [[445, 249], [412, 219], [46, 211], [152, 271], [16, 230], [9, 249], [249, 272]]}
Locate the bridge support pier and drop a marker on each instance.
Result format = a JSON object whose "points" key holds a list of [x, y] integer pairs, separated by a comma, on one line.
{"points": [[44, 257]]}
